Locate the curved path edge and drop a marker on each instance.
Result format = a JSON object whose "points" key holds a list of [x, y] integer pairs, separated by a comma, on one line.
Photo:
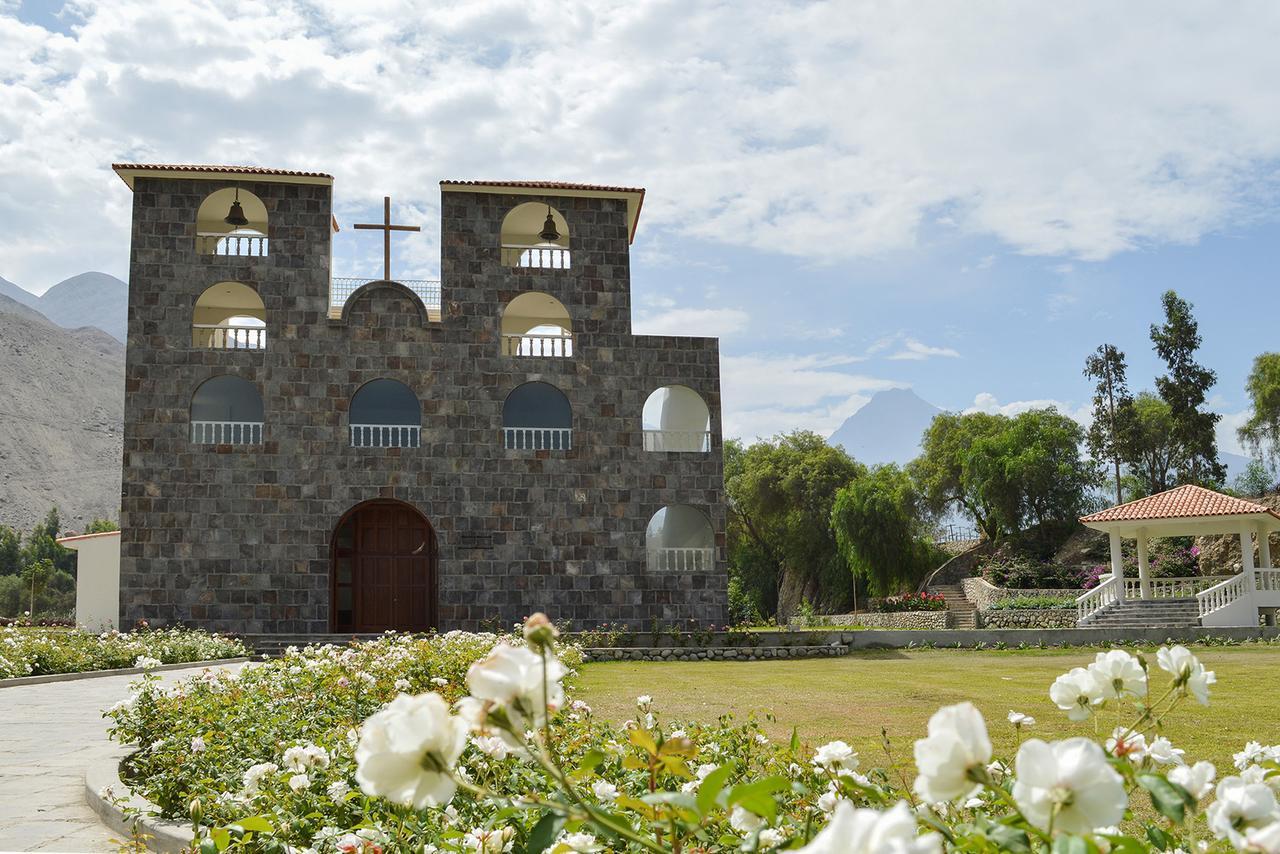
{"points": [[128, 813], [120, 671]]}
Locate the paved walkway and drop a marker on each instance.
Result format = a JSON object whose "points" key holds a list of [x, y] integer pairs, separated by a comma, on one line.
{"points": [[49, 735]]}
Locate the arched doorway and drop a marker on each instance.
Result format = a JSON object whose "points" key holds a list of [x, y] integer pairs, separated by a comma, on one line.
{"points": [[382, 569]]}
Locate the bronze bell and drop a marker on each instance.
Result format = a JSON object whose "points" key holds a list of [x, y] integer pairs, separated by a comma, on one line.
{"points": [[549, 232], [236, 216]]}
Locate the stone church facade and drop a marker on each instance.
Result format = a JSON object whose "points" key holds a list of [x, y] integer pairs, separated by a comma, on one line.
{"points": [[308, 455]]}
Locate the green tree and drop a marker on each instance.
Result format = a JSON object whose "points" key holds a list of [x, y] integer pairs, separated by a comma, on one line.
{"points": [[780, 495], [1112, 408], [1184, 387], [1257, 479], [35, 575], [940, 470], [1150, 448], [880, 522], [10, 551], [42, 544], [101, 526], [1261, 433]]}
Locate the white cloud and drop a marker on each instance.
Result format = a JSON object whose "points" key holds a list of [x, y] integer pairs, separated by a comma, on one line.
{"points": [[765, 394], [1226, 432], [914, 351], [987, 402], [1058, 303], [823, 131], [712, 322]]}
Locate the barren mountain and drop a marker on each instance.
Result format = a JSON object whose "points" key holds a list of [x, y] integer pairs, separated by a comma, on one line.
{"points": [[887, 429], [61, 407]]}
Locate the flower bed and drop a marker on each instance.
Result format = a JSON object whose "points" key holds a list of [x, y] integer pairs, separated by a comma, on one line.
{"points": [[36, 652]]}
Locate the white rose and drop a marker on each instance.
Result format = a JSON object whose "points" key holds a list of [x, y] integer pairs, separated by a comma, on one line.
{"points": [[1076, 692], [1188, 673], [1265, 840], [1162, 751], [1240, 806], [1130, 745], [407, 750], [1069, 783], [743, 821], [298, 782], [337, 791], [253, 777], [512, 676], [580, 841], [956, 747], [868, 831], [1018, 719], [604, 791], [1196, 779], [1119, 675], [835, 754]]}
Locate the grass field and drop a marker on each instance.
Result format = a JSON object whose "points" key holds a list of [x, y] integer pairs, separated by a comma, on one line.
{"points": [[854, 696]]}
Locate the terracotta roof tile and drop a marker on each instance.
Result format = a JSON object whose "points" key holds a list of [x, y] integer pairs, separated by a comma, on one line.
{"points": [[239, 170], [546, 185], [1182, 502]]}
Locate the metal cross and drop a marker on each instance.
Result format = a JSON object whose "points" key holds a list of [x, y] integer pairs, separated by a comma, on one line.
{"points": [[386, 228]]}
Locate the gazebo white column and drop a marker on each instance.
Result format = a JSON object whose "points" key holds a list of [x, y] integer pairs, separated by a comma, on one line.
{"points": [[1144, 572], [1264, 547], [1246, 558], [1117, 566]]}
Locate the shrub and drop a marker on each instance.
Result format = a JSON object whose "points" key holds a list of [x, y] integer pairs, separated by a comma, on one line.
{"points": [[1020, 572], [32, 652], [911, 602], [1032, 603]]}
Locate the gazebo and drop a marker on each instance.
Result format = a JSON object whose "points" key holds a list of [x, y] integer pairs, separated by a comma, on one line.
{"points": [[1189, 511]]}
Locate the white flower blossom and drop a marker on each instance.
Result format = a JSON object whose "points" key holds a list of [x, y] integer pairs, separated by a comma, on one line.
{"points": [[492, 746], [1126, 744], [580, 841], [869, 831], [957, 746], [337, 791], [1019, 720], [253, 777], [1076, 692], [1196, 779], [644, 701], [835, 754], [1253, 752], [1188, 673], [743, 821], [604, 791], [407, 749], [1068, 784], [1240, 806], [771, 837], [1162, 751], [299, 782], [1119, 675], [512, 677], [489, 841], [197, 745], [1263, 840]]}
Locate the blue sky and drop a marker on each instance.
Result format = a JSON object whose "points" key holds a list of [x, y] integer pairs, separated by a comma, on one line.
{"points": [[965, 199]]}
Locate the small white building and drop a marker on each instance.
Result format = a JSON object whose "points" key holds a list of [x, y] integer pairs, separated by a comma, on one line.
{"points": [[97, 579], [1240, 599]]}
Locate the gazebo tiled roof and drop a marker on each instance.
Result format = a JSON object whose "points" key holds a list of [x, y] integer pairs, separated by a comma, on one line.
{"points": [[1183, 502]]}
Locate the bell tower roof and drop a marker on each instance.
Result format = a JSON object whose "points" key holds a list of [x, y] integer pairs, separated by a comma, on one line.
{"points": [[129, 171], [633, 195]]}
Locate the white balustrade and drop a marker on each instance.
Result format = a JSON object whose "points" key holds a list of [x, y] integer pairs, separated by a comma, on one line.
{"points": [[549, 346], [215, 336], [235, 245], [677, 440], [537, 438], [1096, 599], [1171, 588], [536, 257], [341, 289], [681, 559], [1223, 594], [386, 435], [1267, 580], [226, 432]]}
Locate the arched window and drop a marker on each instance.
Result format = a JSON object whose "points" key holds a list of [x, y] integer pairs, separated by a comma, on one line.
{"points": [[231, 221], [385, 414], [535, 235], [679, 539], [229, 316], [537, 417], [676, 418], [226, 410], [536, 324]]}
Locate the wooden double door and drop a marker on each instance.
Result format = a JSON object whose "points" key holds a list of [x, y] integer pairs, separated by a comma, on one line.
{"points": [[383, 569]]}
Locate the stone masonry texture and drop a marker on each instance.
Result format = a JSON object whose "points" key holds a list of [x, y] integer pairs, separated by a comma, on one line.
{"points": [[237, 537]]}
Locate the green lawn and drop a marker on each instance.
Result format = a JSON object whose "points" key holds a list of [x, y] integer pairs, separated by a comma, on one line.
{"points": [[854, 696]]}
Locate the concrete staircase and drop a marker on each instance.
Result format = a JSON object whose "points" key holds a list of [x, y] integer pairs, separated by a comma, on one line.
{"points": [[963, 614], [1147, 614]]}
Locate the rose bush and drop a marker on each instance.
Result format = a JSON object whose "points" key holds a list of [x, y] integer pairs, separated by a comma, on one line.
{"points": [[32, 652], [472, 743]]}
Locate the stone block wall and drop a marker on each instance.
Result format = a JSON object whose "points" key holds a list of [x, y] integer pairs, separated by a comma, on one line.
{"points": [[1043, 618], [870, 620], [237, 538], [983, 594]]}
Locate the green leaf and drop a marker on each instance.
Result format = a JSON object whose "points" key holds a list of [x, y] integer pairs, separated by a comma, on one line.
{"points": [[221, 837], [590, 760], [544, 833], [1169, 799], [1073, 845], [641, 738], [757, 797], [255, 824], [1159, 838], [1008, 838], [795, 740], [1126, 845], [711, 786]]}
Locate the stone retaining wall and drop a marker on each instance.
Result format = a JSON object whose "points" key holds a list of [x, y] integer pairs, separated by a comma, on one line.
{"points": [[983, 594], [1043, 618], [762, 653], [868, 620]]}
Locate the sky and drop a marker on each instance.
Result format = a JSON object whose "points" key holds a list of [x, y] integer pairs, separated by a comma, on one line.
{"points": [[964, 199]]}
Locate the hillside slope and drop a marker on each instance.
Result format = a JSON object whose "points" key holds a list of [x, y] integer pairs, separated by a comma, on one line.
{"points": [[61, 409]]}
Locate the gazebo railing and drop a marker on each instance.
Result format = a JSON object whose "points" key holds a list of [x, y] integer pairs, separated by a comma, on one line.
{"points": [[1223, 594], [1172, 588], [1093, 601]]}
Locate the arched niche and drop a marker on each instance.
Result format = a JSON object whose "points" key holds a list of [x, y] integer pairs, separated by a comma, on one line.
{"points": [[537, 416], [229, 316], [536, 324], [226, 410], [385, 413], [216, 236], [524, 243], [676, 418], [679, 538]]}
